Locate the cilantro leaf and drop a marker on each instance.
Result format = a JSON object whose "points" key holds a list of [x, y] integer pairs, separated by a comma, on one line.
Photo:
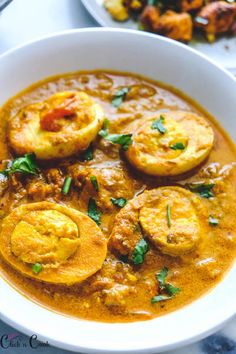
{"points": [[204, 190], [94, 182], [168, 215], [119, 202], [119, 96], [171, 290], [158, 125], [213, 221], [104, 131], [93, 211], [66, 185], [25, 164], [139, 252], [37, 268], [87, 155], [122, 139], [161, 277], [167, 290], [178, 146]]}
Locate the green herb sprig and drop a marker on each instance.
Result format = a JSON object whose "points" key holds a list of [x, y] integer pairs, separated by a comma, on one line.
{"points": [[167, 290], [203, 189], [119, 96], [124, 140], [25, 165], [119, 202], [94, 182], [140, 251], [178, 146], [168, 215], [158, 125], [93, 211], [87, 155], [37, 268], [104, 131], [66, 185]]}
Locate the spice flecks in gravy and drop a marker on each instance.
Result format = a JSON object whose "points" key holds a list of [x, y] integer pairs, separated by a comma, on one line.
{"points": [[121, 291]]}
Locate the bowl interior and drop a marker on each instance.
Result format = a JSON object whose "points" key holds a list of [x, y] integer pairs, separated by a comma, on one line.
{"points": [[165, 61]]}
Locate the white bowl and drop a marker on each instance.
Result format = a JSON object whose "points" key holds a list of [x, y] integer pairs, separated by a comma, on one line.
{"points": [[169, 62], [4, 3]]}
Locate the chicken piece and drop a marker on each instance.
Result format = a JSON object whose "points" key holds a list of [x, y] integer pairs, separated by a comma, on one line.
{"points": [[174, 235], [216, 17], [39, 190], [117, 9], [150, 17], [111, 183], [189, 5], [117, 295], [176, 26]]}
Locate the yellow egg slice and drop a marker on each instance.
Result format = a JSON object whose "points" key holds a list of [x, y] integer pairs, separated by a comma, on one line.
{"points": [[170, 219], [170, 143], [64, 124], [66, 244]]}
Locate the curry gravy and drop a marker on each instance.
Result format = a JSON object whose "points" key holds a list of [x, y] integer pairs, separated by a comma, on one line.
{"points": [[122, 291]]}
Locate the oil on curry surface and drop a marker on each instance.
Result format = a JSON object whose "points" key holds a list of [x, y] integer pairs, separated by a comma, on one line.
{"points": [[117, 197]]}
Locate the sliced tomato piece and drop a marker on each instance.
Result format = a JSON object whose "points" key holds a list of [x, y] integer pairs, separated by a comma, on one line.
{"points": [[49, 121]]}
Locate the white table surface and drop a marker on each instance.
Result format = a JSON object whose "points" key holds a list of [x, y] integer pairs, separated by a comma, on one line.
{"points": [[22, 21]]}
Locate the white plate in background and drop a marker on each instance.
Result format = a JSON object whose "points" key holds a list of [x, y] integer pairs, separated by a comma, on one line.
{"points": [[223, 51]]}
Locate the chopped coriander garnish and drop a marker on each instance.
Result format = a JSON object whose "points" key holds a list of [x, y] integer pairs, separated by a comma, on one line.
{"points": [[213, 221], [36, 268], [168, 215], [87, 155], [104, 131], [171, 290], [204, 190], [178, 146], [66, 185], [94, 182], [25, 164], [161, 277], [119, 96], [158, 125], [167, 290], [93, 211], [119, 202], [122, 139], [139, 252]]}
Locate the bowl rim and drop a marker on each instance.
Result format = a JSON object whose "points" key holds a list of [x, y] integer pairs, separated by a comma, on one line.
{"points": [[9, 318], [56, 34], [4, 4]]}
